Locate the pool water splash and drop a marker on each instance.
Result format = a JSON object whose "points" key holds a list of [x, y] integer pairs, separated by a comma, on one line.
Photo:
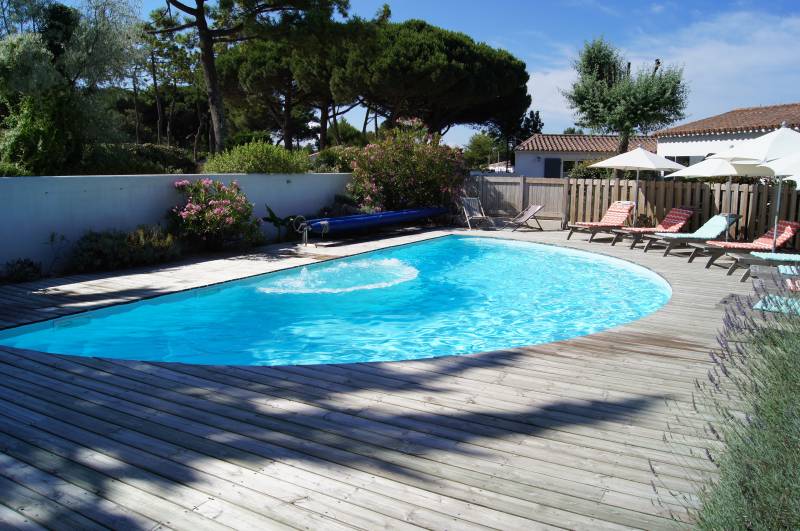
{"points": [[344, 277]]}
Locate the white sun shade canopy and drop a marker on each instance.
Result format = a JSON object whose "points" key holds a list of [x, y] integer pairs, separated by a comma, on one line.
{"points": [[788, 165], [638, 159], [774, 145], [720, 168]]}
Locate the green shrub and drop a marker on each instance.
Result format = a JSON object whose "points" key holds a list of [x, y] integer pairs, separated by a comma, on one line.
{"points": [[581, 170], [22, 270], [759, 467], [337, 159], [132, 159], [407, 168], [40, 135], [9, 169], [110, 250], [215, 214], [258, 157], [246, 137]]}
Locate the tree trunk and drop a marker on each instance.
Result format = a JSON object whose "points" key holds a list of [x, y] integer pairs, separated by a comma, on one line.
{"points": [[288, 104], [622, 147], [336, 135], [366, 122], [169, 118], [157, 94], [210, 129], [199, 131], [136, 103], [624, 141], [215, 104], [323, 126]]}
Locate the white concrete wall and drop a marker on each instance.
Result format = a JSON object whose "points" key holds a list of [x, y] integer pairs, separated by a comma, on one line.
{"points": [[31, 208]]}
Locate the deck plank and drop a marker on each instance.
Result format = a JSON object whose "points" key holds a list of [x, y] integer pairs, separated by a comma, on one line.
{"points": [[560, 435]]}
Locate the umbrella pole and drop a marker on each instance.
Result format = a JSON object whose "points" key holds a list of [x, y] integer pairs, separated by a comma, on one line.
{"points": [[636, 200], [777, 214], [730, 203]]}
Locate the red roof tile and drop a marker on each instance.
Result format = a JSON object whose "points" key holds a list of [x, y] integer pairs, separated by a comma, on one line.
{"points": [[740, 120], [583, 143]]}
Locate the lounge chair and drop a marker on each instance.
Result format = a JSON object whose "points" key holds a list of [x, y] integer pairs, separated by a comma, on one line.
{"points": [[522, 219], [715, 249], [779, 304], [473, 211], [766, 259], [710, 230], [672, 223], [614, 218], [789, 271]]}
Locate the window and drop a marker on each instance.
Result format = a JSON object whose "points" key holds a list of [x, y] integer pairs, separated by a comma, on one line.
{"points": [[680, 160], [552, 167]]}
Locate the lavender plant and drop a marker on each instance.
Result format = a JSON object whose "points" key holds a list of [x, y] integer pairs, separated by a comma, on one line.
{"points": [[753, 392]]}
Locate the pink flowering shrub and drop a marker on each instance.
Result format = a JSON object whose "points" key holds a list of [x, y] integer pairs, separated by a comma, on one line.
{"points": [[407, 168], [215, 213]]}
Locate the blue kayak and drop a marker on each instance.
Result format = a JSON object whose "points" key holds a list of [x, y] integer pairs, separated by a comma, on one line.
{"points": [[366, 221]]}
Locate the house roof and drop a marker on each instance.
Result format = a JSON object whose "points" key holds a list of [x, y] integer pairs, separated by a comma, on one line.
{"points": [[583, 143], [740, 120]]}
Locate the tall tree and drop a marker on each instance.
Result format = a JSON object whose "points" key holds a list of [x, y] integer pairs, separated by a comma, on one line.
{"points": [[481, 150], [234, 20], [509, 130], [320, 49], [607, 97], [258, 77], [444, 78], [172, 62]]}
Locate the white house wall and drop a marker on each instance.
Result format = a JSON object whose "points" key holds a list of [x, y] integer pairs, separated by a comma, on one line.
{"points": [[531, 163], [701, 145]]}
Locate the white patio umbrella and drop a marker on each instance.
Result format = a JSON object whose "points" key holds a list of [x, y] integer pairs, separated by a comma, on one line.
{"points": [[638, 159], [712, 167], [779, 143], [784, 168]]}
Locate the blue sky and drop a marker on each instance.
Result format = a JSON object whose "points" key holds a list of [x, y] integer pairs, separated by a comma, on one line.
{"points": [[734, 53]]}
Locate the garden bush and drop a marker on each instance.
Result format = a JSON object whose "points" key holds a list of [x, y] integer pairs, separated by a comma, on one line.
{"points": [[407, 168], [581, 170], [132, 159], [258, 157], [10, 169], [21, 270], [110, 250], [215, 214], [337, 159], [759, 467]]}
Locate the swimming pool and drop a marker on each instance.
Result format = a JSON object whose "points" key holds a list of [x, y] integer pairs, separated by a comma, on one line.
{"points": [[449, 295]]}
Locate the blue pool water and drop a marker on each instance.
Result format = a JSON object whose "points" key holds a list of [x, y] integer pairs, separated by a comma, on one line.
{"points": [[451, 295]]}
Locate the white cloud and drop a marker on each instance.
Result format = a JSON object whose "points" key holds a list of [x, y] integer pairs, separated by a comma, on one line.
{"points": [[545, 87], [737, 59]]}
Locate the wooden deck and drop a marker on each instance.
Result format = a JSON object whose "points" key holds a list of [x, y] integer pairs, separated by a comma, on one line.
{"points": [[577, 434]]}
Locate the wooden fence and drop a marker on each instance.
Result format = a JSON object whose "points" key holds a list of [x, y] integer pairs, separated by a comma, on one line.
{"points": [[506, 195], [574, 200]]}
